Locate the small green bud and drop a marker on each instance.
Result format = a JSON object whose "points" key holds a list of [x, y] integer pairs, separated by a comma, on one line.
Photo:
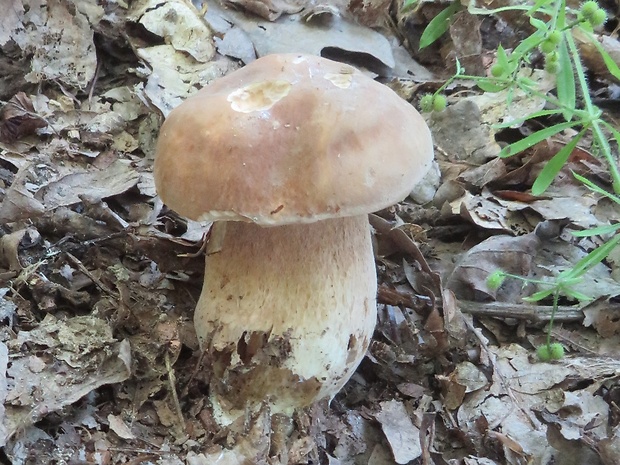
{"points": [[550, 352], [495, 279], [547, 47], [589, 8], [598, 18], [555, 37], [552, 57], [543, 353], [426, 103], [556, 350], [439, 102], [497, 70], [553, 67]]}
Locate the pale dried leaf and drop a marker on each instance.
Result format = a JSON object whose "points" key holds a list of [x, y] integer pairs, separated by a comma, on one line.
{"points": [[269, 9], [97, 184], [460, 132], [121, 429], [62, 41], [81, 355], [18, 202], [175, 76], [10, 19], [402, 435], [180, 25], [292, 34]]}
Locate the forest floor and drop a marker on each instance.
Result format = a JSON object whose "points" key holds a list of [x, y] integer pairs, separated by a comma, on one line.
{"points": [[99, 361]]}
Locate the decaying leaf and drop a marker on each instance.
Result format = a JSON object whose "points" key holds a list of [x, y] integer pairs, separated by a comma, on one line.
{"points": [[60, 39], [77, 356]]}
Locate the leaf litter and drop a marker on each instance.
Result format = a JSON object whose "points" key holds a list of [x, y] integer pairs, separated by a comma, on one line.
{"points": [[99, 362]]}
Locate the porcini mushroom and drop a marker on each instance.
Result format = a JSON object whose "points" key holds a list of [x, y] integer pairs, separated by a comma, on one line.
{"points": [[287, 156]]}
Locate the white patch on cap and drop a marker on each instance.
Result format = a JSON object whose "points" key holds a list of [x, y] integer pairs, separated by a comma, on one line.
{"points": [[299, 59], [259, 96], [342, 79]]}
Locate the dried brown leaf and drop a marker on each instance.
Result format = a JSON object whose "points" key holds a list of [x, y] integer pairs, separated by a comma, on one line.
{"points": [[513, 255], [18, 118]]}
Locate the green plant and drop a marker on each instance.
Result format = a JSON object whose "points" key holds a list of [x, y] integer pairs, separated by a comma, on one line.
{"points": [[554, 25], [564, 283], [553, 37]]}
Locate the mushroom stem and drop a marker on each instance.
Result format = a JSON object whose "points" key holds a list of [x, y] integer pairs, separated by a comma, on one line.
{"points": [[286, 313]]}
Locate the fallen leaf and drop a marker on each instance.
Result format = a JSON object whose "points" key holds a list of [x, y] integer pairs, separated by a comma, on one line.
{"points": [[97, 184], [121, 429], [400, 432], [18, 118]]}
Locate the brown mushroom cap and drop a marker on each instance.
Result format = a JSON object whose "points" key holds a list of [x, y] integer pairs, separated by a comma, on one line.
{"points": [[290, 139]]}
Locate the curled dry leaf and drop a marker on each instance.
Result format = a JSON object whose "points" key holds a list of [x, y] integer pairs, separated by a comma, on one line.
{"points": [[10, 245], [180, 25], [269, 9], [325, 35], [18, 202], [18, 118]]}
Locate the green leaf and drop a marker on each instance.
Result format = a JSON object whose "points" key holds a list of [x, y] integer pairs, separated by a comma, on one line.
{"points": [[538, 5], [596, 256], [599, 231], [502, 58], [408, 5], [438, 25], [576, 295], [553, 166], [538, 24], [474, 10], [528, 44], [610, 63], [516, 121], [491, 86], [565, 81], [540, 295], [593, 187], [535, 138]]}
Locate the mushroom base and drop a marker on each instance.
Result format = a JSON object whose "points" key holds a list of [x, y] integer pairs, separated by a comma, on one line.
{"points": [[286, 313]]}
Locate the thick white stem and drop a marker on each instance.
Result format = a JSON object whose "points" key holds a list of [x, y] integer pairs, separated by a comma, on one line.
{"points": [[286, 313]]}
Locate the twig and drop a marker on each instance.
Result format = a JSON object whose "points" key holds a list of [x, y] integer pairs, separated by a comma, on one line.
{"points": [[91, 276], [537, 313], [173, 389]]}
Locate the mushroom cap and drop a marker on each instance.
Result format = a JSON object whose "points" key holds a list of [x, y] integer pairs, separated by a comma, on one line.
{"points": [[290, 138]]}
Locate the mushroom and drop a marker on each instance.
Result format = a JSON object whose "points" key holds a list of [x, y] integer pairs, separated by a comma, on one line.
{"points": [[287, 156]]}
